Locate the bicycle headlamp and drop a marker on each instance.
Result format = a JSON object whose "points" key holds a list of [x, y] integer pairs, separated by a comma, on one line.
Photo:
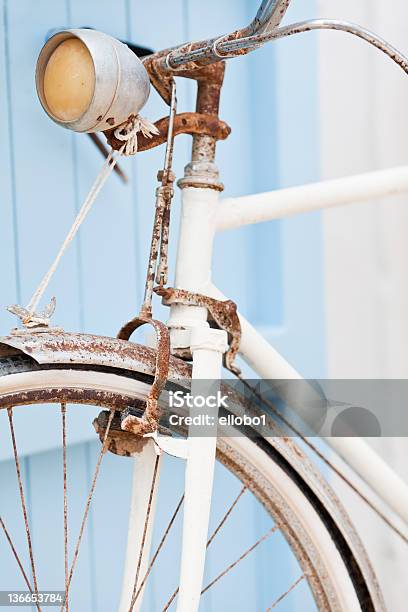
{"points": [[88, 81]]}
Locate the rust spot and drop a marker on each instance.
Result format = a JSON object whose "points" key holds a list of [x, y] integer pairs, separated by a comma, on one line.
{"points": [[161, 77], [58, 347], [149, 422], [119, 442], [99, 118], [110, 121], [202, 124], [70, 396], [222, 313], [184, 123]]}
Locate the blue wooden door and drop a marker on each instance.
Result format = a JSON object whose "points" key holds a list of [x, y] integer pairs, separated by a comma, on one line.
{"points": [[272, 271]]}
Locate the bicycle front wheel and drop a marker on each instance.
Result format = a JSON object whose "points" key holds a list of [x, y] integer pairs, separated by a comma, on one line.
{"points": [[63, 369]]}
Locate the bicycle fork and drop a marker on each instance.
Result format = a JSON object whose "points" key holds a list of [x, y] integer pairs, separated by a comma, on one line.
{"points": [[189, 329], [208, 346]]}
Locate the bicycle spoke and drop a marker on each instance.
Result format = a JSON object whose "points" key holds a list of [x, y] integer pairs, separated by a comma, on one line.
{"points": [[64, 461], [211, 538], [22, 497], [286, 593], [235, 563], [88, 503], [226, 515], [17, 558], [172, 598], [146, 523], [160, 546]]}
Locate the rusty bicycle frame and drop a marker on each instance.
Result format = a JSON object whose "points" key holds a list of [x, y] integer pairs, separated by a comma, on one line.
{"points": [[194, 299]]}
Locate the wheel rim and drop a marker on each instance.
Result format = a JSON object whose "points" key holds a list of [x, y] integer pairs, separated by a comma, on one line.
{"points": [[326, 597]]}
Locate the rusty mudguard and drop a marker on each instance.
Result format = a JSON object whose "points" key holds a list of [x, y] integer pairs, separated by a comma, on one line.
{"points": [[86, 349]]}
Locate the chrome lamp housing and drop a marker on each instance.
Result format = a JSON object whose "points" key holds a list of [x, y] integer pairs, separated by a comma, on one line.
{"points": [[121, 83]]}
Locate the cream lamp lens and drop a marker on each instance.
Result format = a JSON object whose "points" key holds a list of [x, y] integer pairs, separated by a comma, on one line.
{"points": [[69, 80]]}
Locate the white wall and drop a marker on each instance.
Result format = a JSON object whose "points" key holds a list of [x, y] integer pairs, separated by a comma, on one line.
{"points": [[364, 126]]}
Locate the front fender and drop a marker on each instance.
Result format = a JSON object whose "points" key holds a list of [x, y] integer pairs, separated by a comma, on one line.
{"points": [[65, 348]]}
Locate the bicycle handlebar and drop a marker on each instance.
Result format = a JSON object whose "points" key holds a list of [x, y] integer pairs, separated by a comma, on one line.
{"points": [[263, 28], [267, 19], [319, 24], [231, 45]]}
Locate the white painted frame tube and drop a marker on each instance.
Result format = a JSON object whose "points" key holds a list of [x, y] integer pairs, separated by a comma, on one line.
{"points": [[194, 256], [269, 364], [388, 485], [202, 215], [265, 360], [143, 472], [208, 346], [257, 208]]}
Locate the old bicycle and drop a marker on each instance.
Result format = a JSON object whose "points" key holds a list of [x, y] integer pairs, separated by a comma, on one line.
{"points": [[129, 381]]}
